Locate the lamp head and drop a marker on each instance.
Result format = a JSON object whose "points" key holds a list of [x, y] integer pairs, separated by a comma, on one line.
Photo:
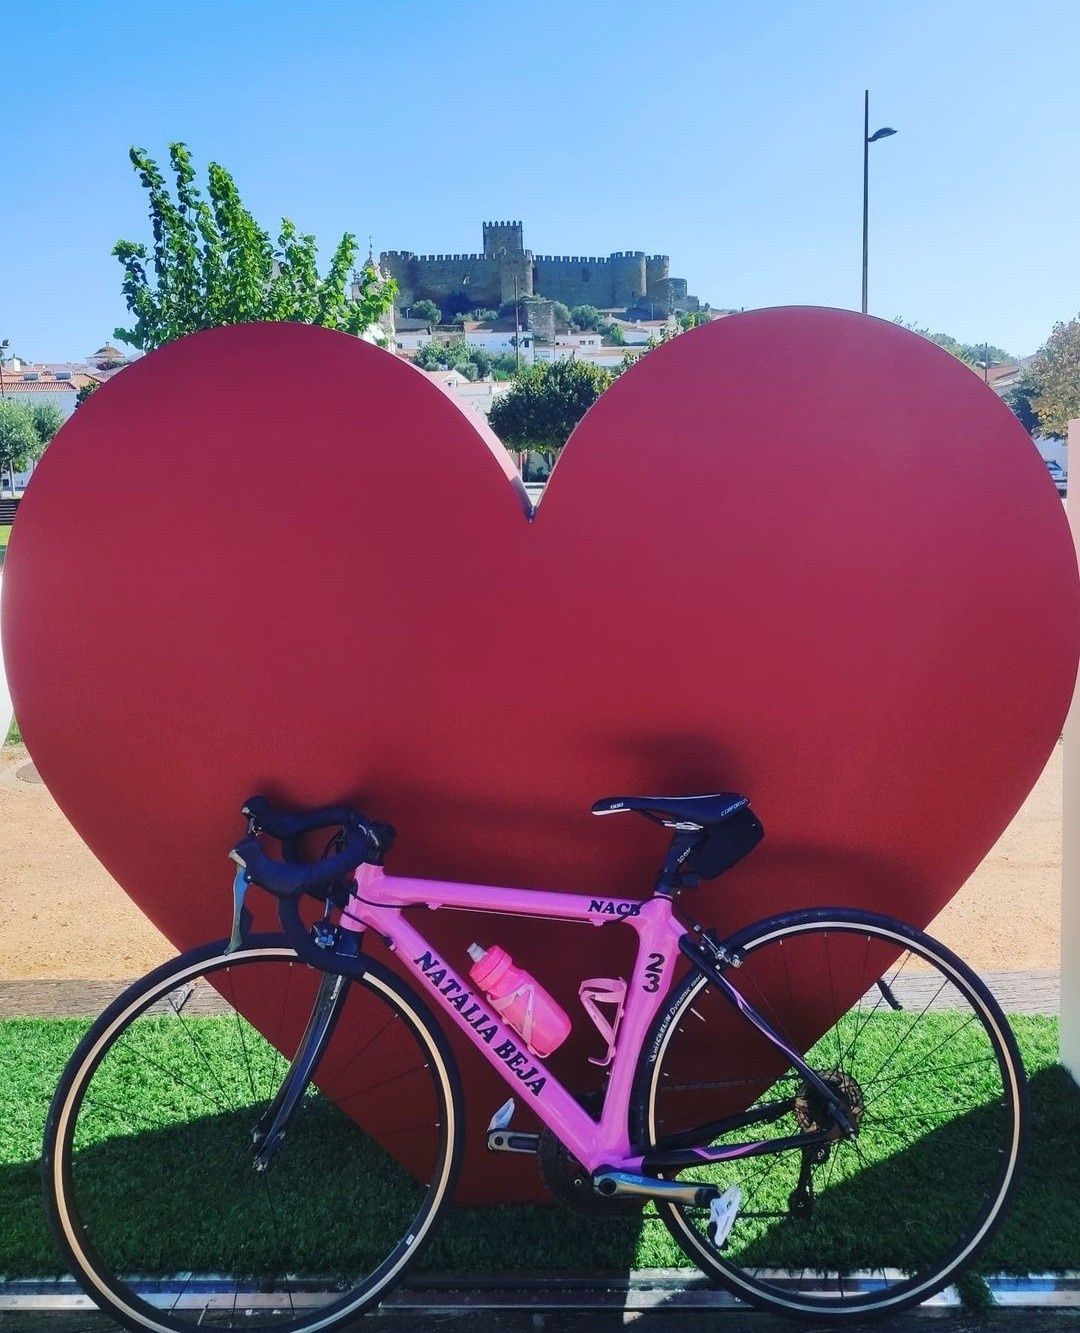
{"points": [[883, 133]]}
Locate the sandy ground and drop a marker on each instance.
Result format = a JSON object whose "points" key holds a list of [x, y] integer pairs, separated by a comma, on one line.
{"points": [[1006, 918]]}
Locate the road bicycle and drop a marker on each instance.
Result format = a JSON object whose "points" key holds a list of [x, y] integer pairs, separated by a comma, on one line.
{"points": [[826, 1110]]}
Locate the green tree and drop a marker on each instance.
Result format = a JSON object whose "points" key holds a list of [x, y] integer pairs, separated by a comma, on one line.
{"points": [[615, 336], [1018, 399], [19, 439], [504, 366], [546, 403], [975, 355], [91, 386], [47, 419], [428, 311], [25, 433], [1053, 379], [506, 310], [586, 317], [210, 263]]}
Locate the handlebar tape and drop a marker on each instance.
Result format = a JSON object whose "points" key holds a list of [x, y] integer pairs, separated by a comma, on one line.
{"points": [[291, 880], [280, 824]]}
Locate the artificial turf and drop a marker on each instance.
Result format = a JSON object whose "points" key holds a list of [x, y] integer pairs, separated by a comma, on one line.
{"points": [[141, 1191]]}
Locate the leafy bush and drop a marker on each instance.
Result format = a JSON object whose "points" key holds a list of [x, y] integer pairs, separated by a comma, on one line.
{"points": [[428, 311], [587, 318]]}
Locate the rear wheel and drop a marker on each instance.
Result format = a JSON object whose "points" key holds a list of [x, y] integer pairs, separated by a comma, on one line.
{"points": [[150, 1159], [928, 1071]]}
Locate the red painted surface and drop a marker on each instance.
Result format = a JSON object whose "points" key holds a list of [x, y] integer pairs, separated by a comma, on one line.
{"points": [[797, 553]]}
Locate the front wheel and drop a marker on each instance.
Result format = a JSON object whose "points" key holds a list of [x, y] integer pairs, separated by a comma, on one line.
{"points": [[175, 1203], [927, 1070]]}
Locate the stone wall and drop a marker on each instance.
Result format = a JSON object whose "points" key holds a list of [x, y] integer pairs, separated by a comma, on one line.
{"points": [[453, 282], [627, 279], [574, 279]]}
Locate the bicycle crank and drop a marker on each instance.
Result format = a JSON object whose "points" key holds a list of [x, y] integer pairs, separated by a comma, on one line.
{"points": [[624, 1184]]}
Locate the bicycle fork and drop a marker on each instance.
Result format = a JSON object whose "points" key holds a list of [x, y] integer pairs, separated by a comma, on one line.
{"points": [[269, 1132]]}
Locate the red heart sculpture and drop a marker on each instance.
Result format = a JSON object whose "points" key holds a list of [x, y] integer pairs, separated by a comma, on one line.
{"points": [[796, 553]]}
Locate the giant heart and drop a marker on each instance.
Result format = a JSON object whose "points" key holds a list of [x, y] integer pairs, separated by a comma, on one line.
{"points": [[797, 553]]}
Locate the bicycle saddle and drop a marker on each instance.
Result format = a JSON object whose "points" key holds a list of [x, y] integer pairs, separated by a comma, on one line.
{"points": [[700, 810]]}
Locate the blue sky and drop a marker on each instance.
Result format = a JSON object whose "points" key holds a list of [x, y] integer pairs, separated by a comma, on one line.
{"points": [[727, 135]]}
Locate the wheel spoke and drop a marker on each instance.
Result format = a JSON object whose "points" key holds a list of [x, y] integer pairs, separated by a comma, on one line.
{"points": [[931, 1122], [163, 1149]]}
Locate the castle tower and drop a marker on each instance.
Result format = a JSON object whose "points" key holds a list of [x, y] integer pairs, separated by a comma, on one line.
{"points": [[627, 277], [503, 238], [657, 272]]}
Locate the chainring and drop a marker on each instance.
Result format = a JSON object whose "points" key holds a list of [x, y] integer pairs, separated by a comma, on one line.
{"points": [[569, 1181]]}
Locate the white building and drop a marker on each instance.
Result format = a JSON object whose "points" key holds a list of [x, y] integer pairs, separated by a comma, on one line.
{"points": [[610, 358], [583, 340], [642, 331], [477, 395], [54, 382], [500, 342], [411, 340]]}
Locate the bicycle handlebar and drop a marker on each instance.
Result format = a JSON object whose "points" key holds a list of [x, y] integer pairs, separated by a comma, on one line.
{"points": [[361, 840], [284, 824]]}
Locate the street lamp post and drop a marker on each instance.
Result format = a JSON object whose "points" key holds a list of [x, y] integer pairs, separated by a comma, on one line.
{"points": [[868, 139], [517, 331]]}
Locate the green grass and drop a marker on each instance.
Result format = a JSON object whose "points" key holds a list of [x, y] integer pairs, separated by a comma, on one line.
{"points": [[5, 537], [142, 1179], [14, 736]]}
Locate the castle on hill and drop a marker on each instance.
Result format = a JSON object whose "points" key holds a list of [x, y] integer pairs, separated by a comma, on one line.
{"points": [[627, 280]]}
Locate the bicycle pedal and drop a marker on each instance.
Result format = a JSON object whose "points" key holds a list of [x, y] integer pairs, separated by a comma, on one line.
{"points": [[722, 1214], [502, 1117]]}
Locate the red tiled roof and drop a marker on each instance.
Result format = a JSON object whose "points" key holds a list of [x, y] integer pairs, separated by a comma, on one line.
{"points": [[12, 385]]}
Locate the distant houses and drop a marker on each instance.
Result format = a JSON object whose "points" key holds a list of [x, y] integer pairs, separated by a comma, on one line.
{"points": [[56, 382]]}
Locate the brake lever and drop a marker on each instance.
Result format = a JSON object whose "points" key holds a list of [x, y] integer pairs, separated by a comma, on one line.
{"points": [[241, 920]]}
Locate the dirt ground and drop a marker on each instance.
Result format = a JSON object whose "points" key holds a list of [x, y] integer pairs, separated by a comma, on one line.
{"points": [[1006, 918]]}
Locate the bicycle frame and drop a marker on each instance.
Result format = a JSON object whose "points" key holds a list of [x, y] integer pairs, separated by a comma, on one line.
{"points": [[377, 902]]}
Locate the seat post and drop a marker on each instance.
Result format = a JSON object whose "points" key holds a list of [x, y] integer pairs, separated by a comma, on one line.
{"points": [[669, 880]]}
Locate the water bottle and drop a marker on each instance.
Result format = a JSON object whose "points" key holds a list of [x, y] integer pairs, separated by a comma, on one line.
{"points": [[519, 1000]]}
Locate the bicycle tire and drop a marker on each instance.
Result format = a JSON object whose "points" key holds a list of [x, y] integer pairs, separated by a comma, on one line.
{"points": [[117, 1293], [823, 1301]]}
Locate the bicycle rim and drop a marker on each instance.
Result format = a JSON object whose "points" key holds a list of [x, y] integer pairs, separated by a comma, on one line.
{"points": [[150, 1148], [930, 1070]]}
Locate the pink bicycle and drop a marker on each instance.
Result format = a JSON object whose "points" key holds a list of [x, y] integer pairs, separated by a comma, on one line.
{"points": [[826, 1110]]}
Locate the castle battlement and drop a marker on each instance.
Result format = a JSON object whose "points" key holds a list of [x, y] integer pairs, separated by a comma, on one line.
{"points": [[438, 259], [574, 259]]}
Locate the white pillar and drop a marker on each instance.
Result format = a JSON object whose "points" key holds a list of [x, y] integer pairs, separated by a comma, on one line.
{"points": [[1070, 829]]}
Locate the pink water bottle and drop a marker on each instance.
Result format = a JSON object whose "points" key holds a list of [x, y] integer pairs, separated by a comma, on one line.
{"points": [[519, 1000]]}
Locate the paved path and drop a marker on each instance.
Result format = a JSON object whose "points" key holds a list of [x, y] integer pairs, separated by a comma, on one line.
{"points": [[668, 1321]]}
